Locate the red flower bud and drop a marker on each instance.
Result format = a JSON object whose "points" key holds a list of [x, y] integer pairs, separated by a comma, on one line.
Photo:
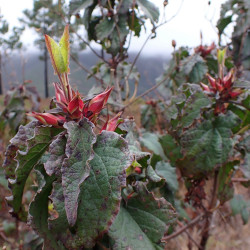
{"points": [[219, 85], [211, 81], [75, 106], [99, 101], [235, 93], [228, 79], [112, 124], [49, 119], [205, 87]]}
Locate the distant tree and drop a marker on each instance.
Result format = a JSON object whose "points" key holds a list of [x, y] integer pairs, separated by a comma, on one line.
{"points": [[9, 41]]}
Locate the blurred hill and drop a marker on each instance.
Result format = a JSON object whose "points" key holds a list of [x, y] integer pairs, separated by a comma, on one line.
{"points": [[28, 66]]}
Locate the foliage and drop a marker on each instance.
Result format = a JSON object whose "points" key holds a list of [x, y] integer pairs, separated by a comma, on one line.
{"points": [[237, 13], [203, 132], [17, 102], [85, 173]]}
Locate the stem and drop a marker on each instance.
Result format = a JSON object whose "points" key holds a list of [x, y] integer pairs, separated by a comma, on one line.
{"points": [[1, 83], [46, 71], [205, 231], [149, 90]]}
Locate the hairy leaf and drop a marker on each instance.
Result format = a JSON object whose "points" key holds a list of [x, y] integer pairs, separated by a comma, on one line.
{"points": [[166, 171], [56, 155], [75, 168], [142, 222], [193, 107], [207, 144], [36, 147], [100, 196], [38, 210], [171, 149], [151, 141]]}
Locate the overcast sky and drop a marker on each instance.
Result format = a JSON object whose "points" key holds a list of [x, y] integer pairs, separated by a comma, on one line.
{"points": [[192, 16]]}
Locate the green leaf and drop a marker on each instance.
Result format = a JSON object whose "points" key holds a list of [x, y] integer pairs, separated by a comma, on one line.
{"points": [[26, 160], [100, 195], [207, 144], [59, 53], [225, 185], [135, 148], [56, 155], [75, 168], [193, 107], [198, 72], [150, 10], [152, 175], [142, 222], [223, 23], [166, 171], [171, 149], [38, 210], [151, 141], [104, 28], [240, 206], [77, 5], [58, 224]]}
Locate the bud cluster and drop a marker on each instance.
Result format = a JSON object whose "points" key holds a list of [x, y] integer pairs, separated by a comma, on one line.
{"points": [[222, 89]]}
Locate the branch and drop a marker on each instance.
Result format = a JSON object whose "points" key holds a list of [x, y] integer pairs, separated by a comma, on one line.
{"points": [[84, 68], [149, 90], [181, 230]]}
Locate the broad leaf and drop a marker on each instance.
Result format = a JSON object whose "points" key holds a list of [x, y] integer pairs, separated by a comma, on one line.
{"points": [[58, 222], [171, 149], [240, 206], [142, 222], [77, 5], [193, 107], [100, 196], [36, 147], [151, 141], [38, 210], [104, 28], [75, 168], [56, 155], [225, 185], [166, 171], [150, 10], [207, 144]]}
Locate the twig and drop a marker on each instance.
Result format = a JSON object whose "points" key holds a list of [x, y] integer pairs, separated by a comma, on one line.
{"points": [[4, 237], [189, 235], [181, 230], [84, 68], [149, 90], [240, 180]]}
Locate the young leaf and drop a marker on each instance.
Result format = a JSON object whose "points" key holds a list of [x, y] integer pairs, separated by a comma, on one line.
{"points": [[59, 54]]}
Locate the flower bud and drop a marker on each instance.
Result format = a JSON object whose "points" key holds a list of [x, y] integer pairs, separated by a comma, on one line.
{"points": [[99, 101], [48, 119]]}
